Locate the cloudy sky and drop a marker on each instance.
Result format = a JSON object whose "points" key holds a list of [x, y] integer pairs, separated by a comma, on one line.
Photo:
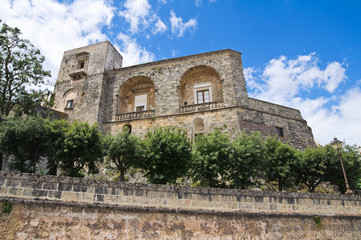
{"points": [[298, 53]]}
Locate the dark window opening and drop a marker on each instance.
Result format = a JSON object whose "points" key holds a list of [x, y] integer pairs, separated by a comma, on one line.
{"points": [[81, 64], [127, 127], [185, 103], [139, 108], [279, 131], [69, 104]]}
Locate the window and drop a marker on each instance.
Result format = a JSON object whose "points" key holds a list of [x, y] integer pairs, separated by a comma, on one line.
{"points": [[128, 128], [203, 96], [139, 108], [81, 64], [279, 131], [140, 102], [69, 104]]}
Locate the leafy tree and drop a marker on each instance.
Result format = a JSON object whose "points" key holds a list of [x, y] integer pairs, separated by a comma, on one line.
{"points": [[26, 140], [281, 163], [166, 155], [76, 147], [313, 167], [123, 151], [211, 159], [352, 163], [248, 159], [20, 71], [56, 137]]}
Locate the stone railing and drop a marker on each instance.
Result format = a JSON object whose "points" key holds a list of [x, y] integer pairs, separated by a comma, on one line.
{"points": [[201, 107], [134, 115]]}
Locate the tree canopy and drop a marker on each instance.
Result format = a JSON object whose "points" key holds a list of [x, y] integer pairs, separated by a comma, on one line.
{"points": [[123, 151], [21, 73], [166, 155]]}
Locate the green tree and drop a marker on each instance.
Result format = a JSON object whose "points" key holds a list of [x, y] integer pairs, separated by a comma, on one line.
{"points": [[123, 152], [313, 166], [76, 147], [166, 155], [211, 159], [20, 72], [352, 163], [281, 163], [248, 159], [24, 139]]}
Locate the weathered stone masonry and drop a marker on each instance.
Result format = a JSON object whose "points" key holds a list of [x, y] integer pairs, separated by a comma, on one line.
{"points": [[198, 93], [46, 207]]}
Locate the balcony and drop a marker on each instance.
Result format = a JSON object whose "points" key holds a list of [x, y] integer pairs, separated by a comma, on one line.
{"points": [[134, 115], [77, 74], [201, 107]]}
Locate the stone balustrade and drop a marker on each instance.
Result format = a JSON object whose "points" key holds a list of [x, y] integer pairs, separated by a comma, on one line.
{"points": [[134, 115], [201, 107]]}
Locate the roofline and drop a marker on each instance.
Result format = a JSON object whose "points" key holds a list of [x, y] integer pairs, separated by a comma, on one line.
{"points": [[181, 58], [98, 43]]}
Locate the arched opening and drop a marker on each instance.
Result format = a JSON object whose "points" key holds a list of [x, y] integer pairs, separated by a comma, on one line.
{"points": [[198, 127], [136, 95], [69, 99], [128, 128], [200, 85]]}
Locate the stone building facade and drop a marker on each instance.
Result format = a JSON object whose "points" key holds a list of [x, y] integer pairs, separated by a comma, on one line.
{"points": [[198, 93]]}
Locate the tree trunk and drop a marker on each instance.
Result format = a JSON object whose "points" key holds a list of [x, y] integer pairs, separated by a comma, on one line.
{"points": [[122, 175], [1, 161]]}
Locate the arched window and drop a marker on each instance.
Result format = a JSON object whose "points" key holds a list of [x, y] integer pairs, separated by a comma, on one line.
{"points": [[198, 127], [136, 95], [127, 127], [199, 85]]}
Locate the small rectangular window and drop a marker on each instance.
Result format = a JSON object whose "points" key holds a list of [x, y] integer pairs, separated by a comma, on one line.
{"points": [[69, 104], [279, 131], [81, 64]]}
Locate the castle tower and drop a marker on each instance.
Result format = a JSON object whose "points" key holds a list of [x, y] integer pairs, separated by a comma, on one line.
{"points": [[79, 88]]}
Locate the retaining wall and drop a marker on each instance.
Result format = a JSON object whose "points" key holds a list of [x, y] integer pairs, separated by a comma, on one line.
{"points": [[122, 210]]}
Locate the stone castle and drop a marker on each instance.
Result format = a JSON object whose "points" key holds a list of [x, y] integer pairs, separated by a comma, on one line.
{"points": [[197, 93]]}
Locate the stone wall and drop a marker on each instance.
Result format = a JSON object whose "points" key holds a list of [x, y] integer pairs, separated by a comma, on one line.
{"points": [[47, 207]]}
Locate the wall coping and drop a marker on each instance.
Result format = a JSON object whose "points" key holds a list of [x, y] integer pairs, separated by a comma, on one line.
{"points": [[170, 188]]}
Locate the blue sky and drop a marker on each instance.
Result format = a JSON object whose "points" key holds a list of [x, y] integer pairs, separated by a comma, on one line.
{"points": [[298, 53]]}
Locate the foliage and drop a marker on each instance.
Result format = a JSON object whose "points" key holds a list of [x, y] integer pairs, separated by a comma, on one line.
{"points": [[123, 151], [248, 159], [20, 72], [7, 207], [281, 162], [352, 163], [318, 221], [24, 139], [211, 159], [313, 167], [166, 155], [75, 147]]}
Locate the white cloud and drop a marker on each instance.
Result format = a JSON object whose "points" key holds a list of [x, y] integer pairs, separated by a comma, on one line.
{"points": [[136, 13], [282, 81], [54, 27], [132, 52], [178, 27], [159, 27], [198, 2]]}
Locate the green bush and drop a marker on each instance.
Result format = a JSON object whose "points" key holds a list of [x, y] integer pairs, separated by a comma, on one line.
{"points": [[7, 207]]}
